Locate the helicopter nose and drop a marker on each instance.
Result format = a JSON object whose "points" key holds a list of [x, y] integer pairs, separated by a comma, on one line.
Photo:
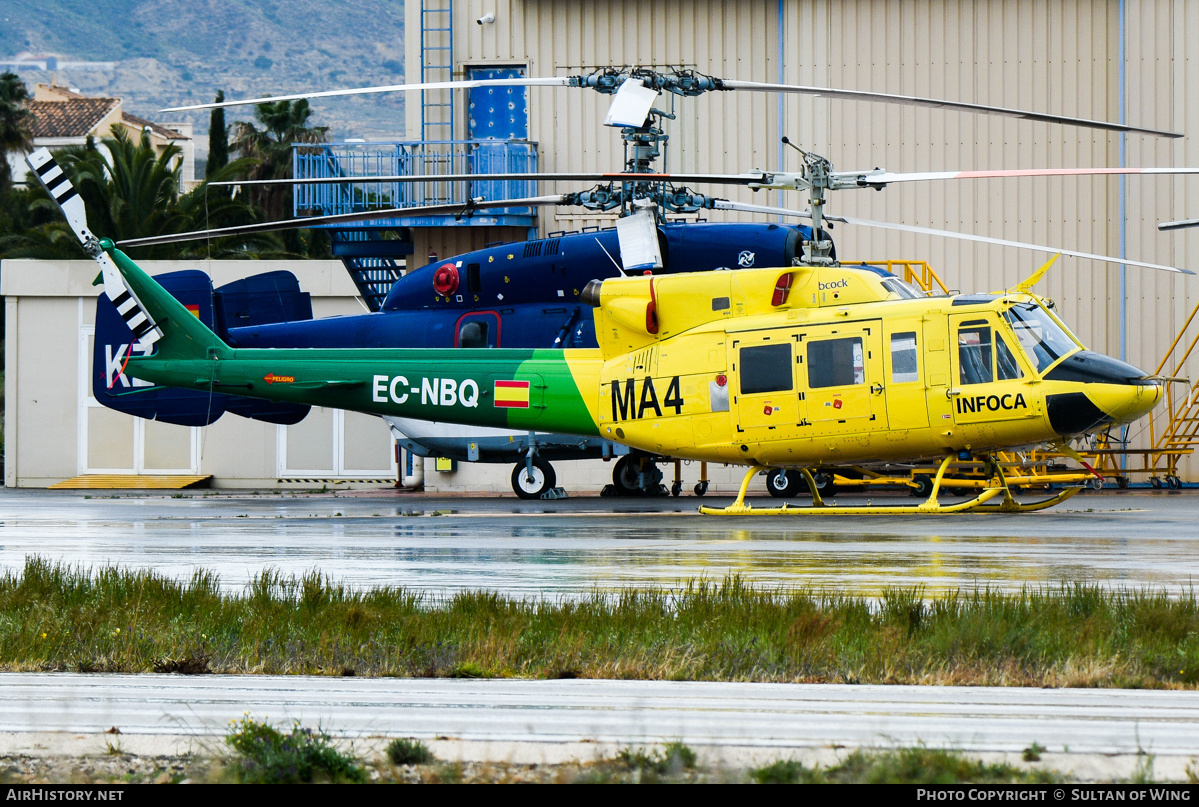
{"points": [[1110, 392], [1124, 403]]}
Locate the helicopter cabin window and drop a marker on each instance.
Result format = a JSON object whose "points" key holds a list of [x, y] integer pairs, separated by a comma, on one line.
{"points": [[974, 355], [766, 368], [473, 282], [1005, 363], [902, 290], [904, 366], [473, 334], [836, 363]]}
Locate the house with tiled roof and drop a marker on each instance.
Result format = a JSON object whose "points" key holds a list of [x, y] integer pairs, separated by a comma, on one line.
{"points": [[63, 117]]}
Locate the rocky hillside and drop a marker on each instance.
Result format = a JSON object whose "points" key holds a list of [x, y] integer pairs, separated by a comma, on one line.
{"points": [[168, 52]]}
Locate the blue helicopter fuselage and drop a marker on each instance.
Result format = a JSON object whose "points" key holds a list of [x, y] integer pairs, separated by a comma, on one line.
{"points": [[523, 294]]}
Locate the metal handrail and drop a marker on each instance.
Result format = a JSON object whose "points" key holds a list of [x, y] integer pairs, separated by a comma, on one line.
{"points": [[392, 158], [918, 273]]}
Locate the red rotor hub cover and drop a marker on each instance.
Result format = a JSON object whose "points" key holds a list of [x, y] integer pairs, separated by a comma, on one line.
{"points": [[445, 279]]}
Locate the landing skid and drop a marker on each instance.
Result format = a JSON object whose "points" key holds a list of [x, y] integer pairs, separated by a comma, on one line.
{"points": [[998, 485]]}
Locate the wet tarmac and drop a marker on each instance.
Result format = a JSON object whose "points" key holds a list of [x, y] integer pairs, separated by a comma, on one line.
{"points": [[574, 547]]}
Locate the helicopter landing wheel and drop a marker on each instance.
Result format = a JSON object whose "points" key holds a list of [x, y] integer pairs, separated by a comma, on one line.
{"points": [[824, 484], [624, 477], [922, 486], [783, 485], [530, 483], [701, 488]]}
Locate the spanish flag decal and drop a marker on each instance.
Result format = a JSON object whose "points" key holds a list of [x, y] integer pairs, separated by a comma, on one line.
{"points": [[194, 309], [512, 394]]}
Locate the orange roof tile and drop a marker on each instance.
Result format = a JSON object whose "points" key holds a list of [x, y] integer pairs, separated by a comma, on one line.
{"points": [[72, 117]]}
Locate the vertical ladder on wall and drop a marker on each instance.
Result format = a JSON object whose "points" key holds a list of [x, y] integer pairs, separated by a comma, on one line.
{"points": [[436, 64]]}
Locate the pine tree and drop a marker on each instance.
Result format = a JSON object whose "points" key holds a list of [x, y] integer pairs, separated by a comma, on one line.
{"points": [[218, 139]]}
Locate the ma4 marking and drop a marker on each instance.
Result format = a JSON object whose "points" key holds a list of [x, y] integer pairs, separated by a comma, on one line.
{"points": [[631, 403]]}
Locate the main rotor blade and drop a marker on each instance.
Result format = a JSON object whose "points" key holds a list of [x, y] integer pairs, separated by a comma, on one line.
{"points": [[931, 103], [723, 84], [1178, 225], [982, 239], [724, 204], [463, 208], [429, 85], [726, 179], [886, 178]]}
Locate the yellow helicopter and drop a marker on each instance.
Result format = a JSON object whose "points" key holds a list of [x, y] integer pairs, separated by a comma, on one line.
{"points": [[817, 366]]}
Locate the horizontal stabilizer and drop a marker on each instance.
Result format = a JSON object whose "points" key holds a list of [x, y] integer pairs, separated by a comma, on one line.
{"points": [[261, 300]]}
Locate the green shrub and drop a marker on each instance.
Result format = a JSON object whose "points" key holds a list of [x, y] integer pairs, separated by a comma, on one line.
{"points": [[266, 755], [403, 751]]}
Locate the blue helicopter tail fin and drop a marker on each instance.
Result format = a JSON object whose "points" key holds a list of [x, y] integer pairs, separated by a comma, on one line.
{"points": [[115, 344]]}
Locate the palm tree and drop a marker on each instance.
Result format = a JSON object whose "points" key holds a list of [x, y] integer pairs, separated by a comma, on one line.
{"points": [[16, 123], [284, 123], [133, 192]]}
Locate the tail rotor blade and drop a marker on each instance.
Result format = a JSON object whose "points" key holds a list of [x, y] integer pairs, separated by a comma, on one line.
{"points": [[54, 179]]}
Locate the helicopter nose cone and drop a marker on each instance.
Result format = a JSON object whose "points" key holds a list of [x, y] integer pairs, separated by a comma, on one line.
{"points": [[1111, 392], [1124, 403]]}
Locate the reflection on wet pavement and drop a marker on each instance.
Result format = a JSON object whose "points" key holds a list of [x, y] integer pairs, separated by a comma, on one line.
{"points": [[582, 546]]}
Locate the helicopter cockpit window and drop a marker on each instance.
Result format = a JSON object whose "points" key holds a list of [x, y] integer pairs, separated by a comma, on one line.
{"points": [[905, 291], [1041, 339], [974, 355], [836, 363], [904, 365], [766, 368]]}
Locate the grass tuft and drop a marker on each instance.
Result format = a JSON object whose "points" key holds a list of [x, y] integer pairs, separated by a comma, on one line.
{"points": [[672, 760], [403, 751], [265, 755]]}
